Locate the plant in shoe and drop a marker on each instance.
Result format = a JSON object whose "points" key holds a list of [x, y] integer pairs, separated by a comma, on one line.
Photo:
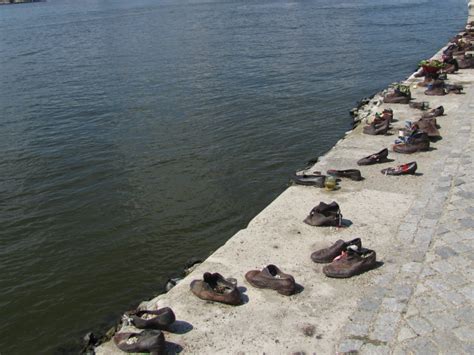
{"points": [[404, 169], [273, 278], [214, 287], [148, 341], [351, 263], [400, 95], [431, 66], [379, 157], [327, 255]]}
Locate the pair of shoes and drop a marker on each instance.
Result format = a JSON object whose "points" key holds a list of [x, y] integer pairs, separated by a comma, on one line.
{"points": [[404, 169], [317, 180], [346, 259], [152, 341], [379, 157], [325, 215], [352, 174], [417, 142], [273, 278], [214, 287], [148, 341]]}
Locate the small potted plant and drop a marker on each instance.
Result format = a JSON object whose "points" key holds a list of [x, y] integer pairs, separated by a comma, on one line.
{"points": [[431, 66]]}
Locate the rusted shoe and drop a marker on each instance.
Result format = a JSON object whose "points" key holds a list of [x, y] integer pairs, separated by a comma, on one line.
{"points": [[400, 95], [419, 105], [377, 129], [309, 180], [325, 208], [351, 263], [325, 215], [148, 341], [429, 126], [405, 169], [273, 278], [379, 157], [352, 174], [438, 111], [396, 98], [327, 255], [410, 148], [164, 317], [214, 287], [387, 114], [453, 88], [466, 62], [435, 91]]}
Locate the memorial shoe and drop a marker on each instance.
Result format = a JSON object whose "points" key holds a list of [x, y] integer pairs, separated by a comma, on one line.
{"points": [[466, 62], [352, 174], [214, 287], [435, 91], [309, 179], [325, 215], [429, 126], [327, 255], [324, 208], [435, 112], [419, 105], [273, 278], [387, 114], [416, 143], [404, 169], [378, 157], [162, 319], [400, 95], [376, 129], [351, 262], [148, 341], [453, 88]]}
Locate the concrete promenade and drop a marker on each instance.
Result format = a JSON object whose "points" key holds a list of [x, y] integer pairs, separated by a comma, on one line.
{"points": [[422, 227]]}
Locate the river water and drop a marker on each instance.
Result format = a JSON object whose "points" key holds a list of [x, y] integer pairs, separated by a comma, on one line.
{"points": [[137, 134]]}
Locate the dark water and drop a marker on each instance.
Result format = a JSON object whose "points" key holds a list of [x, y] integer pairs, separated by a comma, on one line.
{"points": [[137, 134]]}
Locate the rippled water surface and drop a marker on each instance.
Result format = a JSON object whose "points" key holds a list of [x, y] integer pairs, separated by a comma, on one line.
{"points": [[137, 134]]}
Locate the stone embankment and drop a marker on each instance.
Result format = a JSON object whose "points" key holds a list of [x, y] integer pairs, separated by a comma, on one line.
{"points": [[421, 227]]}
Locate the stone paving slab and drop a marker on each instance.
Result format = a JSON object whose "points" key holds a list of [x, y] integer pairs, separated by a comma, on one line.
{"points": [[420, 301]]}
